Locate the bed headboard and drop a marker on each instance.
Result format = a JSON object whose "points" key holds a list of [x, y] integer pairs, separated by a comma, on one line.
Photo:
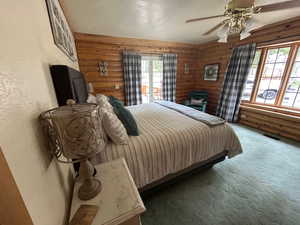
{"points": [[68, 84]]}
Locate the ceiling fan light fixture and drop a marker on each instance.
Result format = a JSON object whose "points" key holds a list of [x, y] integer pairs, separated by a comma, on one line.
{"points": [[249, 26], [244, 35], [239, 14], [223, 34], [223, 39]]}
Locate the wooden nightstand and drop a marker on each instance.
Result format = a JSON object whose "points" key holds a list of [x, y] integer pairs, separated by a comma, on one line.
{"points": [[119, 201]]}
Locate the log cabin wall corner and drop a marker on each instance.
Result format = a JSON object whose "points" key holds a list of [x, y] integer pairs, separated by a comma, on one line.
{"points": [[214, 52]]}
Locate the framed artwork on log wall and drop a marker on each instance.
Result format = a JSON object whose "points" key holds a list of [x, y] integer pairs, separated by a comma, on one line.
{"points": [[62, 34], [211, 72]]}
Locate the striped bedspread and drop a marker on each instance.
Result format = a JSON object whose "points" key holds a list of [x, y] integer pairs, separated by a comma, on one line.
{"points": [[169, 142]]}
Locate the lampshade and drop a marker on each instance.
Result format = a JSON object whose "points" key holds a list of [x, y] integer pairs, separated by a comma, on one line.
{"points": [[74, 131], [75, 134]]}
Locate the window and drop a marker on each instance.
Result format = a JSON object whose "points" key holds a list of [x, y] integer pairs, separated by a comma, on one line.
{"points": [[274, 77], [292, 92], [152, 74], [251, 77]]}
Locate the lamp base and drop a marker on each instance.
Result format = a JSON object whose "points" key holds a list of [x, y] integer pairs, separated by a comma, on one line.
{"points": [[91, 186], [89, 189]]}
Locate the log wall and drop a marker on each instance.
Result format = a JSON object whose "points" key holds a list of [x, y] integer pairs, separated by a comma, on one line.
{"points": [[93, 48], [282, 123]]}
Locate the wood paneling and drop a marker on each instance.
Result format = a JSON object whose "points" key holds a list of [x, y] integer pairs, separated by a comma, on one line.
{"points": [[271, 122], [213, 52], [12, 207], [93, 48], [210, 54]]}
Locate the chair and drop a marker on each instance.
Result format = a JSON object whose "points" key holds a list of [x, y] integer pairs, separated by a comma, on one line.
{"points": [[197, 95]]}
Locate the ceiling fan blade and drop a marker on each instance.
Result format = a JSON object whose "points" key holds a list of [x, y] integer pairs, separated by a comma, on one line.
{"points": [[203, 18], [215, 28], [278, 6]]}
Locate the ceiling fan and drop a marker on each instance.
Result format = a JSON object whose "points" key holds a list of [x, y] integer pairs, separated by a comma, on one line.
{"points": [[240, 19]]}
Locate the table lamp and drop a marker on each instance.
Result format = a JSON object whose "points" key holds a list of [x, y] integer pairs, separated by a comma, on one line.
{"points": [[75, 134]]}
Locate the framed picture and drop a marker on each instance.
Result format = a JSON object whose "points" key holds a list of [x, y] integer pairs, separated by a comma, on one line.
{"points": [[211, 72], [61, 31], [103, 68]]}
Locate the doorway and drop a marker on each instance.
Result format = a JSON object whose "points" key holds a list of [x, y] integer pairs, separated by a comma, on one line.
{"points": [[152, 77]]}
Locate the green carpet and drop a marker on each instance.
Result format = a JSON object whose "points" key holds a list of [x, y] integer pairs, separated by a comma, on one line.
{"points": [[259, 187]]}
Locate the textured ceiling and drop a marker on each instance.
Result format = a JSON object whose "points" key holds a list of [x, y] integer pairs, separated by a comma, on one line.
{"points": [[156, 19]]}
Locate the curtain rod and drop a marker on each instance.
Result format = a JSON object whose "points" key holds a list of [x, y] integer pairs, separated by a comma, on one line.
{"points": [[151, 54], [158, 53]]}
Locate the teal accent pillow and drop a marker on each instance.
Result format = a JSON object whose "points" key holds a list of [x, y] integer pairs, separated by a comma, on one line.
{"points": [[113, 99], [124, 116]]}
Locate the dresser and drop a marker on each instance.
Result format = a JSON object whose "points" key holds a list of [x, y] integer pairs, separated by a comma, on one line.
{"points": [[119, 201]]}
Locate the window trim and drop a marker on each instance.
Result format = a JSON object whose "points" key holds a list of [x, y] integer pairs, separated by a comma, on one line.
{"points": [[289, 68], [260, 67], [295, 47]]}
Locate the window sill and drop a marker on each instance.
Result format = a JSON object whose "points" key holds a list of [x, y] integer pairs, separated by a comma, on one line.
{"points": [[275, 111]]}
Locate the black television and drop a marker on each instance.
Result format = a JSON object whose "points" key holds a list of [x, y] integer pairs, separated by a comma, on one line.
{"points": [[68, 84]]}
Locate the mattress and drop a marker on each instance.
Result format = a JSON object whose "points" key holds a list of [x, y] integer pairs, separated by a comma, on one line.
{"points": [[168, 143]]}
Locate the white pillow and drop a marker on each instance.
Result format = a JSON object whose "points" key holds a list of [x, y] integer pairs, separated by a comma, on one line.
{"points": [[91, 99], [196, 101], [103, 102], [114, 127]]}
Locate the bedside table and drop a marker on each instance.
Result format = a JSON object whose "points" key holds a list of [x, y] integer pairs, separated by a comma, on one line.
{"points": [[119, 201]]}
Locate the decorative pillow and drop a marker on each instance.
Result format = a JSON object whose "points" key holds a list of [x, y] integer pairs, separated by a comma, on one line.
{"points": [[114, 128], [103, 102], [113, 99], [91, 99], [125, 116], [197, 101]]}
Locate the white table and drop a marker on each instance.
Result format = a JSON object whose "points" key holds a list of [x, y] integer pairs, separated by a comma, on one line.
{"points": [[119, 201]]}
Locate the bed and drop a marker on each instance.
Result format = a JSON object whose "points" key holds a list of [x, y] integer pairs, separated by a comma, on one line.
{"points": [[170, 142]]}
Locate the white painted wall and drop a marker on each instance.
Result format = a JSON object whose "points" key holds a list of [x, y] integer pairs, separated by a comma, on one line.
{"points": [[26, 51]]}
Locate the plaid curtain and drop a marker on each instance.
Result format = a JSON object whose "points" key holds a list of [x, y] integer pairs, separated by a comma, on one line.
{"points": [[234, 82], [132, 66], [169, 76]]}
